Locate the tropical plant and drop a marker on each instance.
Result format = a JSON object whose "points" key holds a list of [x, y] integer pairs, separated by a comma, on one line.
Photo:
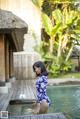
{"points": [[38, 3], [63, 28]]}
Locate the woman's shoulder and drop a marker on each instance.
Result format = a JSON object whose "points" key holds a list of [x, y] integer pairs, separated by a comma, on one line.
{"points": [[40, 79], [44, 78]]}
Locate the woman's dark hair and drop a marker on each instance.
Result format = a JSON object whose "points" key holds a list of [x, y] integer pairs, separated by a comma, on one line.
{"points": [[42, 66]]}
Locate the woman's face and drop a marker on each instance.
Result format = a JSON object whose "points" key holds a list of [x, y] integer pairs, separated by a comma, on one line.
{"points": [[37, 70]]}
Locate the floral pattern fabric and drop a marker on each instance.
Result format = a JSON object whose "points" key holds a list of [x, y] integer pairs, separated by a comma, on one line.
{"points": [[41, 85]]}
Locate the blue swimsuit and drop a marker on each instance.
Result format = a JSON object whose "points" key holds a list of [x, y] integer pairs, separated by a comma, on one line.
{"points": [[41, 85]]}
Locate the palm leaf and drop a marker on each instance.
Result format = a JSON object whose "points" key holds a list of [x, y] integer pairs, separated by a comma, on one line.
{"points": [[57, 15], [47, 24], [72, 17], [38, 3], [55, 29], [77, 31]]}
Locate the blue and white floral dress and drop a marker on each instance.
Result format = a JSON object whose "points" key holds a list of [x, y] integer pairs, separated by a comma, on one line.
{"points": [[41, 84]]}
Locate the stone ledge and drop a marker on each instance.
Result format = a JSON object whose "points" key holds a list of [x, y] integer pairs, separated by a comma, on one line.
{"points": [[2, 83], [67, 81], [8, 84], [3, 89]]}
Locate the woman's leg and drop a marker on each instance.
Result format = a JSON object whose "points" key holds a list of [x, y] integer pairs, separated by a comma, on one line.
{"points": [[36, 108], [43, 107]]}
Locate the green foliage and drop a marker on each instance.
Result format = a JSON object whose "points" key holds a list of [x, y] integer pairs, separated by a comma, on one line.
{"points": [[57, 15], [66, 66], [62, 1], [47, 23], [70, 75], [54, 68], [48, 26], [63, 28], [38, 3]]}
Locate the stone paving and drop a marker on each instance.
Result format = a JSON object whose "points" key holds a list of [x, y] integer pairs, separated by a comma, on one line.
{"points": [[58, 81]]}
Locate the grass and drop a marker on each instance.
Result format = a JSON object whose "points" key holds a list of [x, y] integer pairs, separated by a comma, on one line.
{"points": [[71, 75], [68, 75]]}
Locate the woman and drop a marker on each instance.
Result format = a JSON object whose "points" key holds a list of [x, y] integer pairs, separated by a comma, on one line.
{"points": [[43, 101]]}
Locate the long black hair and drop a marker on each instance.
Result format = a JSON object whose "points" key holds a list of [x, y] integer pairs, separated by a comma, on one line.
{"points": [[42, 66]]}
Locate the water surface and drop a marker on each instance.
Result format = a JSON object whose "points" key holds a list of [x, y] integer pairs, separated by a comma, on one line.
{"points": [[65, 99]]}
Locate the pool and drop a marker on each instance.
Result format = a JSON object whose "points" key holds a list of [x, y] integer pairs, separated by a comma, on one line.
{"points": [[65, 99], [20, 107]]}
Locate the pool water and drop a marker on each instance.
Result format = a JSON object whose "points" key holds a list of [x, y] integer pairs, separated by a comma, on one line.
{"points": [[19, 109], [65, 99]]}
